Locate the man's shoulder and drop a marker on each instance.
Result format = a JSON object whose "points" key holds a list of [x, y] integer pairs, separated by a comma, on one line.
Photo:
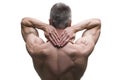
{"points": [[81, 48], [69, 48]]}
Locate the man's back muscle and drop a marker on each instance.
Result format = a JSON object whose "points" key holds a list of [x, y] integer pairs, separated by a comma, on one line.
{"points": [[67, 63], [60, 63]]}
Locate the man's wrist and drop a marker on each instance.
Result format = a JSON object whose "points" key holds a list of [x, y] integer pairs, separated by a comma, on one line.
{"points": [[74, 29], [44, 28]]}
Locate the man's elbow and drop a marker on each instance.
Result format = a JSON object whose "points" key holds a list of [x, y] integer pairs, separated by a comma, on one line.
{"points": [[97, 22], [25, 21]]}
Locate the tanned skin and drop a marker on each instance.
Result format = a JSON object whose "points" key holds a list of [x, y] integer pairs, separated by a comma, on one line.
{"points": [[59, 59]]}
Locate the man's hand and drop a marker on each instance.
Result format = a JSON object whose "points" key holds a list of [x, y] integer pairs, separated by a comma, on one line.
{"points": [[59, 41], [52, 35], [67, 35]]}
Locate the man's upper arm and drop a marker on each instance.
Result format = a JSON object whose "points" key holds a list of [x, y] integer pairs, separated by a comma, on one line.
{"points": [[33, 43], [31, 37], [92, 34], [89, 39]]}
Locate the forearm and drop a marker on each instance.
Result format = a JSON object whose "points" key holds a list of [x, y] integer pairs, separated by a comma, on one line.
{"points": [[87, 24], [31, 22]]}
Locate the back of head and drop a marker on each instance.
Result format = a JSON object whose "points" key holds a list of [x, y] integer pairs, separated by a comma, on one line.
{"points": [[60, 15]]}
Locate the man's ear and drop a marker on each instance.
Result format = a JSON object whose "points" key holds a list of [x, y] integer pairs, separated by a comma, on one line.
{"points": [[69, 23], [50, 21]]}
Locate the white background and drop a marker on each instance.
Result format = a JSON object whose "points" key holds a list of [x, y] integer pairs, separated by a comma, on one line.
{"points": [[16, 64]]}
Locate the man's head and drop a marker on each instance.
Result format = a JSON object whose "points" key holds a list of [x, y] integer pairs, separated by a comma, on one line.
{"points": [[60, 16]]}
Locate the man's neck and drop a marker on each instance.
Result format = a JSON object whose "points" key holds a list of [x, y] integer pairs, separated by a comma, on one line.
{"points": [[59, 31]]}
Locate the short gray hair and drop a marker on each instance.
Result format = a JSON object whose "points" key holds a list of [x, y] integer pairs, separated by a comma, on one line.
{"points": [[60, 15]]}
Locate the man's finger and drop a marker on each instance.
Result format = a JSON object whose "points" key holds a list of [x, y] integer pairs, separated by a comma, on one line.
{"points": [[63, 35], [54, 39], [51, 40], [66, 37], [65, 42]]}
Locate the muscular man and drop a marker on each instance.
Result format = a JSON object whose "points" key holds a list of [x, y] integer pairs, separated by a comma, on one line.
{"points": [[59, 58]]}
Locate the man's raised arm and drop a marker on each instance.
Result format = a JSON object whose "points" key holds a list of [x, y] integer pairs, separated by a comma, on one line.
{"points": [[91, 27], [29, 25]]}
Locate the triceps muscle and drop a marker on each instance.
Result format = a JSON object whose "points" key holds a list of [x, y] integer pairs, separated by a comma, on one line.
{"points": [[28, 30]]}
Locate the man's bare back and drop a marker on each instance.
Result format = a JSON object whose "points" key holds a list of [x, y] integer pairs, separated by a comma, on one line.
{"points": [[60, 64], [59, 58]]}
